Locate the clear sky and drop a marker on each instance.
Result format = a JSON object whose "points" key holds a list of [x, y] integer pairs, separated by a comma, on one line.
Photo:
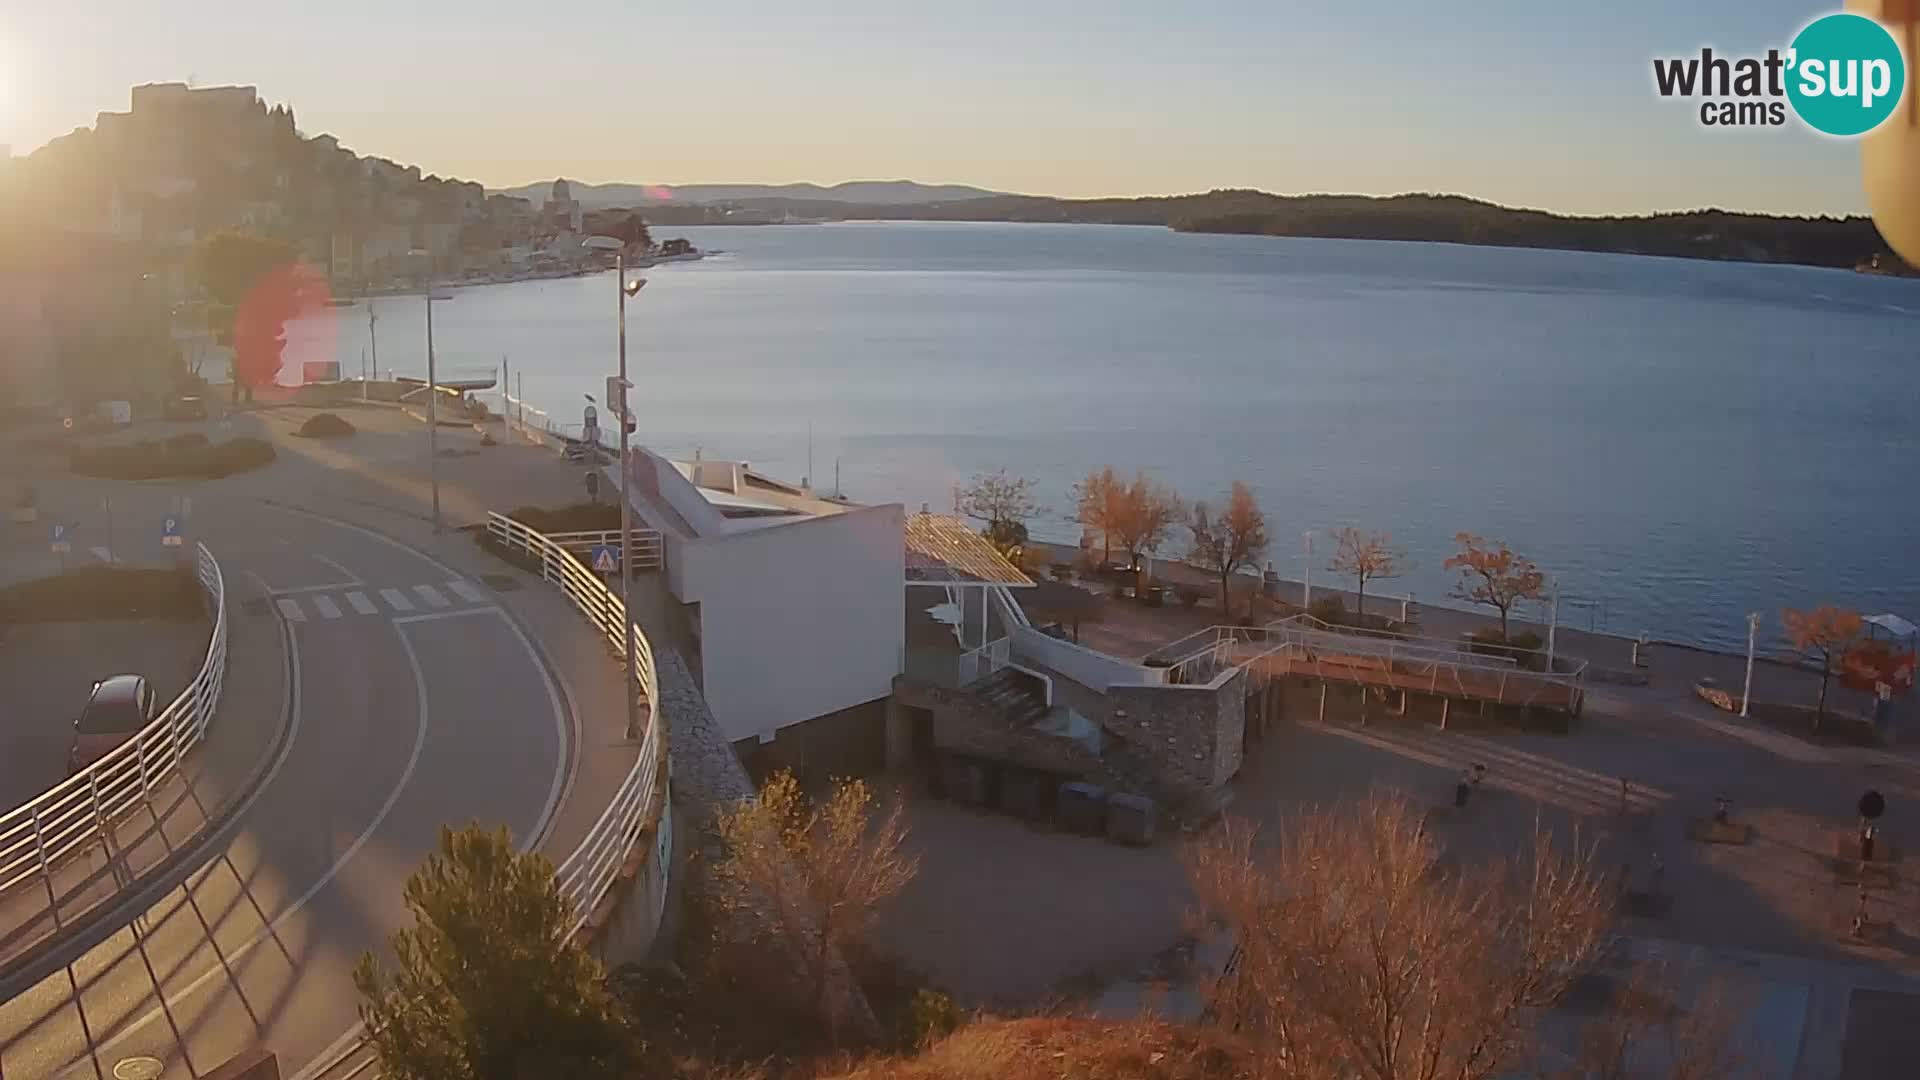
{"points": [[1547, 104]]}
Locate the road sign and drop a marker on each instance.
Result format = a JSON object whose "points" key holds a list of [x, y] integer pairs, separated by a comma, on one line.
{"points": [[170, 533], [605, 558], [617, 395], [61, 545], [593, 484]]}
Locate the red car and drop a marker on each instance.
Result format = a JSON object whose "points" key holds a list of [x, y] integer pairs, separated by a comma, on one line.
{"points": [[118, 708]]}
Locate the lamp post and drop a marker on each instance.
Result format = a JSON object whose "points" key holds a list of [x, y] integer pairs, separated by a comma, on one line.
{"points": [[433, 395], [1753, 633], [624, 289], [1306, 581]]}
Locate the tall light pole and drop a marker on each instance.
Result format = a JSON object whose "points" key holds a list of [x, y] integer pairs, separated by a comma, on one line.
{"points": [[1753, 633], [1306, 581], [623, 289], [433, 395]]}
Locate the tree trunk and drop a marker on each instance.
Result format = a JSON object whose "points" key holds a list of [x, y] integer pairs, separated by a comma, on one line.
{"points": [[1226, 597], [1503, 626], [1360, 602], [1820, 710]]}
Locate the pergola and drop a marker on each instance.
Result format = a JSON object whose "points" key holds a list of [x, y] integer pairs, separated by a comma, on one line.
{"points": [[946, 553]]}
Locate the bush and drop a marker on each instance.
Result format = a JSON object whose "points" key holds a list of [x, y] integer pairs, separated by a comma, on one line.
{"points": [[1523, 648], [103, 592], [178, 457], [1330, 609], [325, 425], [1190, 595], [580, 517]]}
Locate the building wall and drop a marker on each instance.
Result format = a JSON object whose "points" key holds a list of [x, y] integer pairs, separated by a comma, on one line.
{"points": [[1193, 736], [799, 620], [850, 742]]}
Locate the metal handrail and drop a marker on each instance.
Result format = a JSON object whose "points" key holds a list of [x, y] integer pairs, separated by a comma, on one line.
{"points": [[589, 873], [80, 810]]}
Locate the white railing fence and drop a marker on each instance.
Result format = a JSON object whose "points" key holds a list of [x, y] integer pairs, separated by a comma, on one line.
{"points": [[977, 664], [587, 875], [644, 545], [80, 810]]}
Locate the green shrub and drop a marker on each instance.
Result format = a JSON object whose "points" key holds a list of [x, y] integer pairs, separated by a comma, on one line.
{"points": [[104, 592], [1523, 648], [178, 457], [326, 425], [931, 1016], [1330, 608]]}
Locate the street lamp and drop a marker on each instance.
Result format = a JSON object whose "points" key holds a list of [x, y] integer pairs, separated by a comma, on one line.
{"points": [[624, 289], [1306, 581], [433, 394]]}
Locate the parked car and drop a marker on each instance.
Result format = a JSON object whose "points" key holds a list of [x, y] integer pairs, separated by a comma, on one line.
{"points": [[185, 407], [119, 706]]}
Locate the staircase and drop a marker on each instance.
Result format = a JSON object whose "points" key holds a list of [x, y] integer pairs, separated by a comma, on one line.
{"points": [[1012, 696]]}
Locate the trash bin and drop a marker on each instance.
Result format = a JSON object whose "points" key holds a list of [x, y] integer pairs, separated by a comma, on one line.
{"points": [[964, 780], [1130, 819], [1082, 808], [1024, 794]]}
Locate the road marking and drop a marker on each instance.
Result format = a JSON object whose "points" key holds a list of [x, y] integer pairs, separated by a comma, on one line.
{"points": [[431, 595], [361, 604], [436, 616], [103, 554], [327, 608], [290, 610], [329, 587], [466, 591], [299, 903], [352, 578], [396, 599]]}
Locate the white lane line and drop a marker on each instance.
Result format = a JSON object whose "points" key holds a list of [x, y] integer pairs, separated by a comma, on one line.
{"points": [[466, 591], [327, 608], [330, 587], [456, 613], [431, 595], [290, 609], [299, 903], [361, 604], [352, 578], [396, 599]]}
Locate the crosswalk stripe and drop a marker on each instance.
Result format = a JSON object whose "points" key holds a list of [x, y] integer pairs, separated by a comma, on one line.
{"points": [[396, 599], [290, 609], [360, 603], [327, 608], [466, 591], [431, 595]]}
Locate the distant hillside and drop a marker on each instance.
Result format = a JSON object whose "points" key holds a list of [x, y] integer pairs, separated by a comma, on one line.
{"points": [[1702, 234], [873, 192]]}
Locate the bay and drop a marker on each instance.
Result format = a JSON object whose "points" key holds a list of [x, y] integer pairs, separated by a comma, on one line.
{"points": [[1676, 442]]}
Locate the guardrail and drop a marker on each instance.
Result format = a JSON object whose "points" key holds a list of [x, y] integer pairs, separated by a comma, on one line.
{"points": [[588, 875], [80, 810], [644, 544]]}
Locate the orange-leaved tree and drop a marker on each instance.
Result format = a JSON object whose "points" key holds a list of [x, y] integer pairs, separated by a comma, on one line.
{"points": [[1825, 633], [1234, 538], [1097, 506], [1145, 512], [1365, 556], [1491, 574]]}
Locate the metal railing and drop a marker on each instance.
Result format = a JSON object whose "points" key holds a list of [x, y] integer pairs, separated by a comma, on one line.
{"points": [[81, 810], [644, 544], [976, 664], [1311, 647]]}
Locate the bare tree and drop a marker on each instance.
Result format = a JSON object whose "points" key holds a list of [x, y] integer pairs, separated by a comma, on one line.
{"points": [[1005, 502], [1145, 513], [1826, 633], [1493, 575], [1643, 1033], [1235, 538], [1097, 506], [815, 875], [1365, 556], [1360, 955]]}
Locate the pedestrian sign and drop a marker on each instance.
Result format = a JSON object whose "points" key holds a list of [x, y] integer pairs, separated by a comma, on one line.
{"points": [[170, 533], [605, 558], [61, 545]]}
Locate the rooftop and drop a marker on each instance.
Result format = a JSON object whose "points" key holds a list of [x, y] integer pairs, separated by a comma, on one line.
{"points": [[942, 549]]}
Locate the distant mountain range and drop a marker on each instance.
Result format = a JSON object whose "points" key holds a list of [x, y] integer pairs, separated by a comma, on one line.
{"points": [[868, 192]]}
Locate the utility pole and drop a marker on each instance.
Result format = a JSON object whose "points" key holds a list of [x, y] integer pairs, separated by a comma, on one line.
{"points": [[1553, 621], [433, 416], [626, 508], [373, 342], [1306, 582]]}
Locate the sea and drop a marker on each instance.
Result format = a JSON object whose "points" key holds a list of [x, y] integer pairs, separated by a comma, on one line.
{"points": [[1676, 443]]}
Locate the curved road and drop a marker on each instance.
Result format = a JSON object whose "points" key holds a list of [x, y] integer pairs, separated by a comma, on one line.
{"points": [[412, 700]]}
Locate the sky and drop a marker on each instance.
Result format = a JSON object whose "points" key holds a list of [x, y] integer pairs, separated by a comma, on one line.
{"points": [[1547, 104]]}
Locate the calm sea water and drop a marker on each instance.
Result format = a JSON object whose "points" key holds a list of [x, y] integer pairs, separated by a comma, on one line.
{"points": [[1677, 442]]}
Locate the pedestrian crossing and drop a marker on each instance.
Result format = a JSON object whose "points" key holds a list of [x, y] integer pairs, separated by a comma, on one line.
{"points": [[349, 603]]}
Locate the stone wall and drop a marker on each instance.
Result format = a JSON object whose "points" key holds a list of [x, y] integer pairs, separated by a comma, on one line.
{"points": [[1192, 738], [967, 723], [846, 742]]}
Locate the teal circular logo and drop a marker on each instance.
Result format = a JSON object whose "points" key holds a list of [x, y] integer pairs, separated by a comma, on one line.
{"points": [[1845, 74]]}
